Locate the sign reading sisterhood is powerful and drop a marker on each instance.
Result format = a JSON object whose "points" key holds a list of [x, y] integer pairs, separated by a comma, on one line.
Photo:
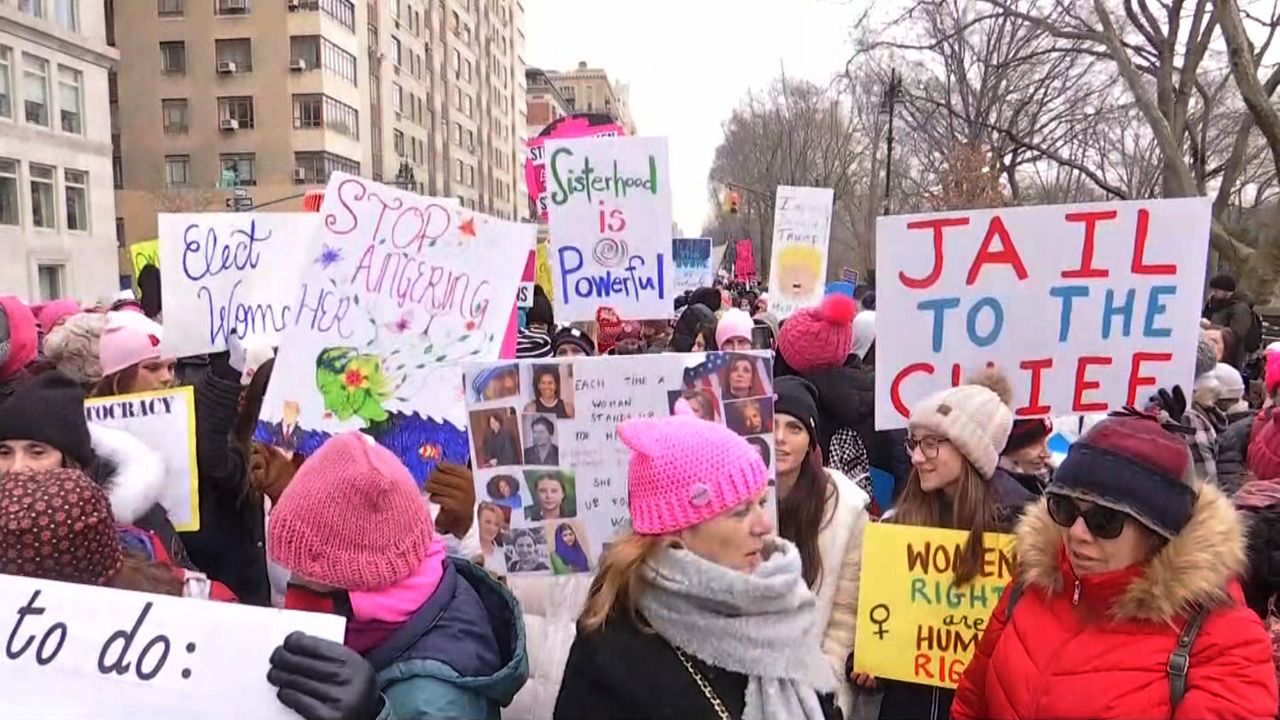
{"points": [[79, 651], [1086, 308], [914, 623], [225, 273], [610, 221], [546, 454], [801, 233], [398, 289], [164, 421]]}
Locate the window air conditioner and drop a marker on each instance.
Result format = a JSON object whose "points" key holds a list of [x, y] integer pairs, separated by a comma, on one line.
{"points": [[226, 67]]}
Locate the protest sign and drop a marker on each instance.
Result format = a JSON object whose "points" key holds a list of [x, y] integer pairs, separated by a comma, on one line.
{"points": [[609, 216], [1085, 308], [79, 651], [914, 624], [578, 125], [547, 455], [144, 253], [398, 289], [164, 421], [692, 260], [744, 260], [798, 264], [225, 273]]}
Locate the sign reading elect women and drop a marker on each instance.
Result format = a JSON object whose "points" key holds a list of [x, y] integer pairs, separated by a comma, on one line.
{"points": [[610, 222], [1086, 308]]}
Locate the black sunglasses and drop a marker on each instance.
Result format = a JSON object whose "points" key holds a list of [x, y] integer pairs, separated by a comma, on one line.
{"points": [[1103, 522]]}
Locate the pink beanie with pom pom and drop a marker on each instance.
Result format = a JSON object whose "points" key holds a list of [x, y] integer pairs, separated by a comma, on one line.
{"points": [[819, 337], [685, 470]]}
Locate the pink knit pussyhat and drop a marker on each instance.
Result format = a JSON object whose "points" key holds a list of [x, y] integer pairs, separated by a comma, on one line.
{"points": [[819, 337], [1272, 374], [685, 470], [128, 339], [351, 518], [733, 324]]}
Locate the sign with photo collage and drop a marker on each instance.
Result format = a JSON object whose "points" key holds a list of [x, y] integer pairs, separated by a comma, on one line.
{"points": [[549, 466]]}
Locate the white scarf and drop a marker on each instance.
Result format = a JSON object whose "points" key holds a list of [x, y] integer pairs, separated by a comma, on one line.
{"points": [[758, 625]]}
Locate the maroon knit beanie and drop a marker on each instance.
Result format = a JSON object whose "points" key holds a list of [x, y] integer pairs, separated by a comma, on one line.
{"points": [[1027, 432], [819, 337], [57, 525]]}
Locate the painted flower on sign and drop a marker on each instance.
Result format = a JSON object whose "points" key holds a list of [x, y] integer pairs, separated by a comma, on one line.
{"points": [[352, 384]]}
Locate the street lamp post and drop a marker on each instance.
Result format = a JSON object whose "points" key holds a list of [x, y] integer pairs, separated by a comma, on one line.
{"points": [[892, 96]]}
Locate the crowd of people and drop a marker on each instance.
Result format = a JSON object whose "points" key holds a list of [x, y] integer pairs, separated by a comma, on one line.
{"points": [[1148, 560]]}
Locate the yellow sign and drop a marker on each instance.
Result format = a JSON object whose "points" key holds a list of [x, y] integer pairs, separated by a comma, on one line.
{"points": [[143, 253], [913, 623], [543, 270]]}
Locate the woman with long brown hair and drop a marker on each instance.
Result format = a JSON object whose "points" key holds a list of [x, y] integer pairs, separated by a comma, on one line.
{"points": [[698, 613], [955, 438], [824, 513]]}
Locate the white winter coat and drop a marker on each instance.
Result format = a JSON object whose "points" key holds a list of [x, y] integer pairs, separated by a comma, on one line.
{"points": [[840, 543]]}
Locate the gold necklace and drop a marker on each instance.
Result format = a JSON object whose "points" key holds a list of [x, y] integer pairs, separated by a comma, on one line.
{"points": [[703, 685]]}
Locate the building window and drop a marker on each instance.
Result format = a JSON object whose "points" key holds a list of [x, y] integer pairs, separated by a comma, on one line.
{"points": [[397, 141], [70, 94], [471, 140], [34, 8], [338, 61], [307, 112], [43, 209], [344, 11], [6, 83], [35, 80], [67, 14], [117, 172], [466, 105], [242, 166], [170, 8], [397, 97], [316, 166], [395, 51], [239, 109], [466, 70], [177, 170], [173, 58], [305, 48], [231, 7], [458, 170], [174, 113], [9, 214], [237, 51], [51, 281], [76, 186]]}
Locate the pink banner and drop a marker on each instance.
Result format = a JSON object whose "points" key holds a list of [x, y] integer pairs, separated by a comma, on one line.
{"points": [[744, 267]]}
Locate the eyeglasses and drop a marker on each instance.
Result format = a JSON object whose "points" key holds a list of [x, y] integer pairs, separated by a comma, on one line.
{"points": [[928, 446], [1103, 522]]}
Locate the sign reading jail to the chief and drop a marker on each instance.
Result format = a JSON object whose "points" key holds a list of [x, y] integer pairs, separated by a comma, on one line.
{"points": [[914, 622]]}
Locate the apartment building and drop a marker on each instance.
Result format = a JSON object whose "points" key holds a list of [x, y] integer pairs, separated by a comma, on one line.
{"points": [[57, 212], [589, 90], [543, 101], [449, 79], [267, 96]]}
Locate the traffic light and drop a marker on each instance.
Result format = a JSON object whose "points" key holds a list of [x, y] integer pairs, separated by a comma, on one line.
{"points": [[731, 202]]}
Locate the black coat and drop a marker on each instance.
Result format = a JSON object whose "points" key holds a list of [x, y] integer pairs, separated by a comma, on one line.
{"points": [[1231, 313], [622, 673], [230, 545], [1233, 454]]}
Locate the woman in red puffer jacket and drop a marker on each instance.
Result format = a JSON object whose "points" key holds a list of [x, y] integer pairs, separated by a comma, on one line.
{"points": [[1126, 550]]}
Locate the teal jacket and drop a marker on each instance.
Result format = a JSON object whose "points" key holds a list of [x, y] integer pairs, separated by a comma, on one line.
{"points": [[461, 656]]}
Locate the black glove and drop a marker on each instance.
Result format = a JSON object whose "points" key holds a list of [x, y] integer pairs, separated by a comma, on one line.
{"points": [[1172, 403], [324, 680]]}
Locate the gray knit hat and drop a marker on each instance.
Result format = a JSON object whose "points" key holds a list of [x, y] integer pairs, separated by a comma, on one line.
{"points": [[1206, 356], [73, 347]]}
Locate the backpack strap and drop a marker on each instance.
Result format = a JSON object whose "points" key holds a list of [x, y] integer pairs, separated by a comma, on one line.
{"points": [[1015, 594], [1180, 658]]}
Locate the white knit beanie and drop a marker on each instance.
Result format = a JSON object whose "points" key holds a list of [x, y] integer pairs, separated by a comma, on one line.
{"points": [[975, 417]]}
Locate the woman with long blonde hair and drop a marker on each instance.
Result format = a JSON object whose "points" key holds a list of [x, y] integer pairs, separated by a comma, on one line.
{"points": [[701, 612], [955, 439]]}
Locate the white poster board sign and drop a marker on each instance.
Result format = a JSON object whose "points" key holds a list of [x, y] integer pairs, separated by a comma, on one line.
{"points": [[1085, 308], [546, 452], [164, 421], [692, 260], [609, 215], [798, 262], [224, 273], [398, 290], [78, 651]]}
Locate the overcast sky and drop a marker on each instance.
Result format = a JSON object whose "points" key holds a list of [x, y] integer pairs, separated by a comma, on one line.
{"points": [[689, 63]]}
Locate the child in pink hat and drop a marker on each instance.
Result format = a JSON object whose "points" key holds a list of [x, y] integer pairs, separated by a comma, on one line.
{"points": [[132, 355], [353, 530]]}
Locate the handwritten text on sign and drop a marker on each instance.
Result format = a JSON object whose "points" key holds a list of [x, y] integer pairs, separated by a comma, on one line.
{"points": [[610, 223], [164, 421], [230, 273], [1085, 307], [801, 234], [913, 623], [81, 651]]}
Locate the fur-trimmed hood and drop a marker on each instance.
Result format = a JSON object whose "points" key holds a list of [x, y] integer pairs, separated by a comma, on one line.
{"points": [[1195, 568], [131, 473]]}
